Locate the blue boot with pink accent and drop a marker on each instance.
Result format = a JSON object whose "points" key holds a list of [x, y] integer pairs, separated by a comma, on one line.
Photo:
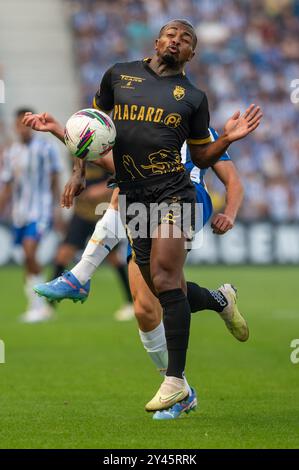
{"points": [[65, 286]]}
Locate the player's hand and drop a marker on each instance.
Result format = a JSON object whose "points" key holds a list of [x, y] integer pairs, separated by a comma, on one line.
{"points": [[239, 126], [73, 188], [41, 122], [222, 223]]}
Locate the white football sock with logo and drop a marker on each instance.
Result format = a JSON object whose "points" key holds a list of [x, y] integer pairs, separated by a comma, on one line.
{"points": [[107, 234]]}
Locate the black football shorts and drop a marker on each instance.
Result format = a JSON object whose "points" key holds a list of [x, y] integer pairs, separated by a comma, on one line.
{"points": [[145, 204]]}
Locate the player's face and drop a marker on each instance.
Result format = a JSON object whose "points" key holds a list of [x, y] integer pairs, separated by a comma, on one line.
{"points": [[175, 45], [24, 133]]}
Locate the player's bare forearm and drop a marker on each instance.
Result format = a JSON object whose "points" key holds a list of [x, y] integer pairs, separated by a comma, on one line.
{"points": [[227, 173], [79, 167], [75, 185], [207, 155], [234, 199]]}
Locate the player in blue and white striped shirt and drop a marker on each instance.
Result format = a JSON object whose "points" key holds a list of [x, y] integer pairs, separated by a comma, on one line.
{"points": [[30, 177]]}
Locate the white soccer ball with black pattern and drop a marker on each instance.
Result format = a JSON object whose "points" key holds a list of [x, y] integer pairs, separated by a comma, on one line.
{"points": [[89, 134]]}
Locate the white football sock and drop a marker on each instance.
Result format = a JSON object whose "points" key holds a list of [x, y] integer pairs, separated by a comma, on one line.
{"points": [[34, 301], [107, 234], [154, 343]]}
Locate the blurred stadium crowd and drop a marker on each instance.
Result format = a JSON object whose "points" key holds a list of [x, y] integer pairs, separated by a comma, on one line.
{"points": [[248, 52]]}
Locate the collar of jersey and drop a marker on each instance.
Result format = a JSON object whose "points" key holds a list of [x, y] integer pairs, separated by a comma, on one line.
{"points": [[145, 64]]}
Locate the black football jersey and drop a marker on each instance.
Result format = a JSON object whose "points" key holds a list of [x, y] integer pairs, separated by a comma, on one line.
{"points": [[153, 116]]}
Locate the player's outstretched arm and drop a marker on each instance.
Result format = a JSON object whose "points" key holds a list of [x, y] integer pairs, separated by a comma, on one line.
{"points": [[44, 122], [236, 128], [228, 174]]}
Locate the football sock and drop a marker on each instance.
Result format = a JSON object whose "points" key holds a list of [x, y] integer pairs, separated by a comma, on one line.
{"points": [[201, 298], [122, 271], [154, 343], [84, 269], [176, 320], [105, 237]]}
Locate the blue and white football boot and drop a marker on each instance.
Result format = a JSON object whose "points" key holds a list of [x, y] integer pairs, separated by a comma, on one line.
{"points": [[177, 410], [63, 287]]}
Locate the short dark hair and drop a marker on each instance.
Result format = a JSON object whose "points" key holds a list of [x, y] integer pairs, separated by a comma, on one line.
{"points": [[21, 111], [184, 22]]}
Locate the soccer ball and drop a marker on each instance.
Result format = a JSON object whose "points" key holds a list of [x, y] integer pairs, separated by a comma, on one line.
{"points": [[89, 134]]}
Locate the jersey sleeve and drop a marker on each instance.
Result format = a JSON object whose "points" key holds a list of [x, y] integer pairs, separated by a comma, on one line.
{"points": [[199, 129], [214, 136], [104, 97], [6, 173]]}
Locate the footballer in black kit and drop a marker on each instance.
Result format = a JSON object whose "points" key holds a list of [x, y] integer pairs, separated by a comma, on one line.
{"points": [[155, 110]]}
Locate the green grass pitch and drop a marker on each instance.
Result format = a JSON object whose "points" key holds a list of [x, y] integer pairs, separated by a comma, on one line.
{"points": [[82, 380]]}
